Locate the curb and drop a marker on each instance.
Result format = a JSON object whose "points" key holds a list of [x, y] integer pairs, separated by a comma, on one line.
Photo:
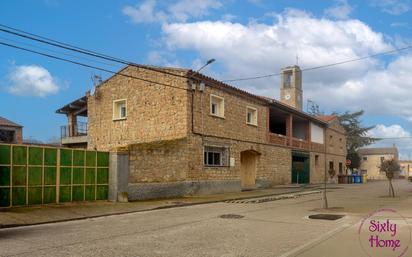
{"points": [[288, 195]]}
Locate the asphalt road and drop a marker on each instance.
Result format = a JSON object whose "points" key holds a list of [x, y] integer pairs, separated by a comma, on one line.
{"points": [[274, 228]]}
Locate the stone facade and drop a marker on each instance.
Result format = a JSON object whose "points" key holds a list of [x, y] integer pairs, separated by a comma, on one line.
{"points": [[154, 112], [335, 148], [167, 128]]}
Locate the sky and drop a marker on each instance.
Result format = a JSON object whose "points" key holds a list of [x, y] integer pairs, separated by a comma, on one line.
{"points": [[247, 38]]}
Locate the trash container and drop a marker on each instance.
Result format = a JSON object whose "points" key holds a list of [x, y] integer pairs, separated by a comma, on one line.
{"points": [[357, 179], [365, 178], [341, 179], [350, 179]]}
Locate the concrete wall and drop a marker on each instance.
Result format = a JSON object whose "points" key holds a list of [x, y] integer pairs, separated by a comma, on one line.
{"points": [[372, 164]]}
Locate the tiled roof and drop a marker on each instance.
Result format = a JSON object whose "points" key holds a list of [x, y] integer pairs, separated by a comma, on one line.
{"points": [[327, 118], [9, 123], [376, 151]]}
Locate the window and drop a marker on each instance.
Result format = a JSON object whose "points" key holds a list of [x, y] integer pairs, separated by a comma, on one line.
{"points": [[365, 158], [215, 156], [288, 79], [331, 165], [316, 160], [119, 109], [340, 168], [251, 116], [217, 106]]}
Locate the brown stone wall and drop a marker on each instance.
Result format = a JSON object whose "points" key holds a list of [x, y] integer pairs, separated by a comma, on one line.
{"points": [[336, 147], [273, 162], [161, 161], [154, 112], [317, 169], [233, 125]]}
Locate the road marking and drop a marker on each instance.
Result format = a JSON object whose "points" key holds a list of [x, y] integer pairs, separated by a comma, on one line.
{"points": [[327, 235]]}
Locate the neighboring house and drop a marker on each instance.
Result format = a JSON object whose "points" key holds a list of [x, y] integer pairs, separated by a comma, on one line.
{"points": [[10, 132], [371, 159], [192, 134], [406, 168], [335, 144]]}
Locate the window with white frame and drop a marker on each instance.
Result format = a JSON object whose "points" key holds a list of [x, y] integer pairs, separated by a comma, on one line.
{"points": [[251, 116], [119, 109], [215, 156], [217, 106]]}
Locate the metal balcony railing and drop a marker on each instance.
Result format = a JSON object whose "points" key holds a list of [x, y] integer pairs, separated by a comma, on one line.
{"points": [[79, 129]]}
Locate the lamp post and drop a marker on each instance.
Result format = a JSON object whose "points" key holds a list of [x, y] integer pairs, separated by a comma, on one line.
{"points": [[206, 64]]}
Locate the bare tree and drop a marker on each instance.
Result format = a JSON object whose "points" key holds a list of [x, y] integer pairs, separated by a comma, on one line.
{"points": [[390, 167]]}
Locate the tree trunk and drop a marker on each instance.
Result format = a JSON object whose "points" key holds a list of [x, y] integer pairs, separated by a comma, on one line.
{"points": [[391, 190]]}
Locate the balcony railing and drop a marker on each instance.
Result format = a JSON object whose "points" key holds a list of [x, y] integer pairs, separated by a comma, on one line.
{"points": [[295, 143], [79, 129]]}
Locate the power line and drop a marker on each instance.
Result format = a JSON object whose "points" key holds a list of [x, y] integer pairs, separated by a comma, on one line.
{"points": [[87, 65], [55, 43], [57, 52], [324, 66]]}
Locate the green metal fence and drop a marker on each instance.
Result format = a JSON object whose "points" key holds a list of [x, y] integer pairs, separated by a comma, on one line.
{"points": [[31, 175]]}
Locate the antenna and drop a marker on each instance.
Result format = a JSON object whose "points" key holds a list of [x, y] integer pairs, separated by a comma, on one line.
{"points": [[96, 79]]}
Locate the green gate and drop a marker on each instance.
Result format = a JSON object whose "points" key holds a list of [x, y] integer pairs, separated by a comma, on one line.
{"points": [[300, 168], [31, 175]]}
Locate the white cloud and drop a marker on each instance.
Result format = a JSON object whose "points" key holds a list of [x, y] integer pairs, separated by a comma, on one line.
{"points": [[392, 131], [145, 13], [393, 135], [32, 80], [258, 48], [394, 7], [341, 10], [181, 10]]}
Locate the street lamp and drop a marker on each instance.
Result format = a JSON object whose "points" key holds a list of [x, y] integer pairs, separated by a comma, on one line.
{"points": [[206, 64]]}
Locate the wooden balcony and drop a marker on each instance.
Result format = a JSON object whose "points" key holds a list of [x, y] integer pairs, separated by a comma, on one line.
{"points": [[301, 144]]}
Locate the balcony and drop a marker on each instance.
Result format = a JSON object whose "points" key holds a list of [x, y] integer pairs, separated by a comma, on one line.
{"points": [[75, 134], [296, 143]]}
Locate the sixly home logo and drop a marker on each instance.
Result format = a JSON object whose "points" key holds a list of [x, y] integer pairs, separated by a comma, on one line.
{"points": [[384, 233]]}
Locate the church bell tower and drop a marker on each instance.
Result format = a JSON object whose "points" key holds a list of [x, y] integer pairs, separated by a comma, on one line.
{"points": [[291, 87]]}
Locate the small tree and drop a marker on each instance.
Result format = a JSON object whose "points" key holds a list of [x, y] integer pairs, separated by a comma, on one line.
{"points": [[390, 167]]}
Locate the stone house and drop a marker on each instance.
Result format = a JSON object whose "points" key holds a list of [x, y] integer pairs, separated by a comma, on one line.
{"points": [[186, 133], [371, 159], [10, 132]]}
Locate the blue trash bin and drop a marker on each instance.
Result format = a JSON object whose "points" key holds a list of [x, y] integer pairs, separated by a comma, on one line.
{"points": [[357, 179]]}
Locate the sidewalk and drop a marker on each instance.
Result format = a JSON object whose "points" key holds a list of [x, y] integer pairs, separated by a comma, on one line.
{"points": [[23, 216]]}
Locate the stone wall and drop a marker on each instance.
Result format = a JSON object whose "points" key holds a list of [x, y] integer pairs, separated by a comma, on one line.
{"points": [[154, 112], [233, 125], [335, 147]]}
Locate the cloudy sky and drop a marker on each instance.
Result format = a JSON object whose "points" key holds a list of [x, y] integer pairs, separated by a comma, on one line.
{"points": [[247, 38]]}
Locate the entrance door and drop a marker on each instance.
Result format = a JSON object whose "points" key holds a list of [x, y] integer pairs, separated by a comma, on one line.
{"points": [[300, 169], [248, 170]]}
